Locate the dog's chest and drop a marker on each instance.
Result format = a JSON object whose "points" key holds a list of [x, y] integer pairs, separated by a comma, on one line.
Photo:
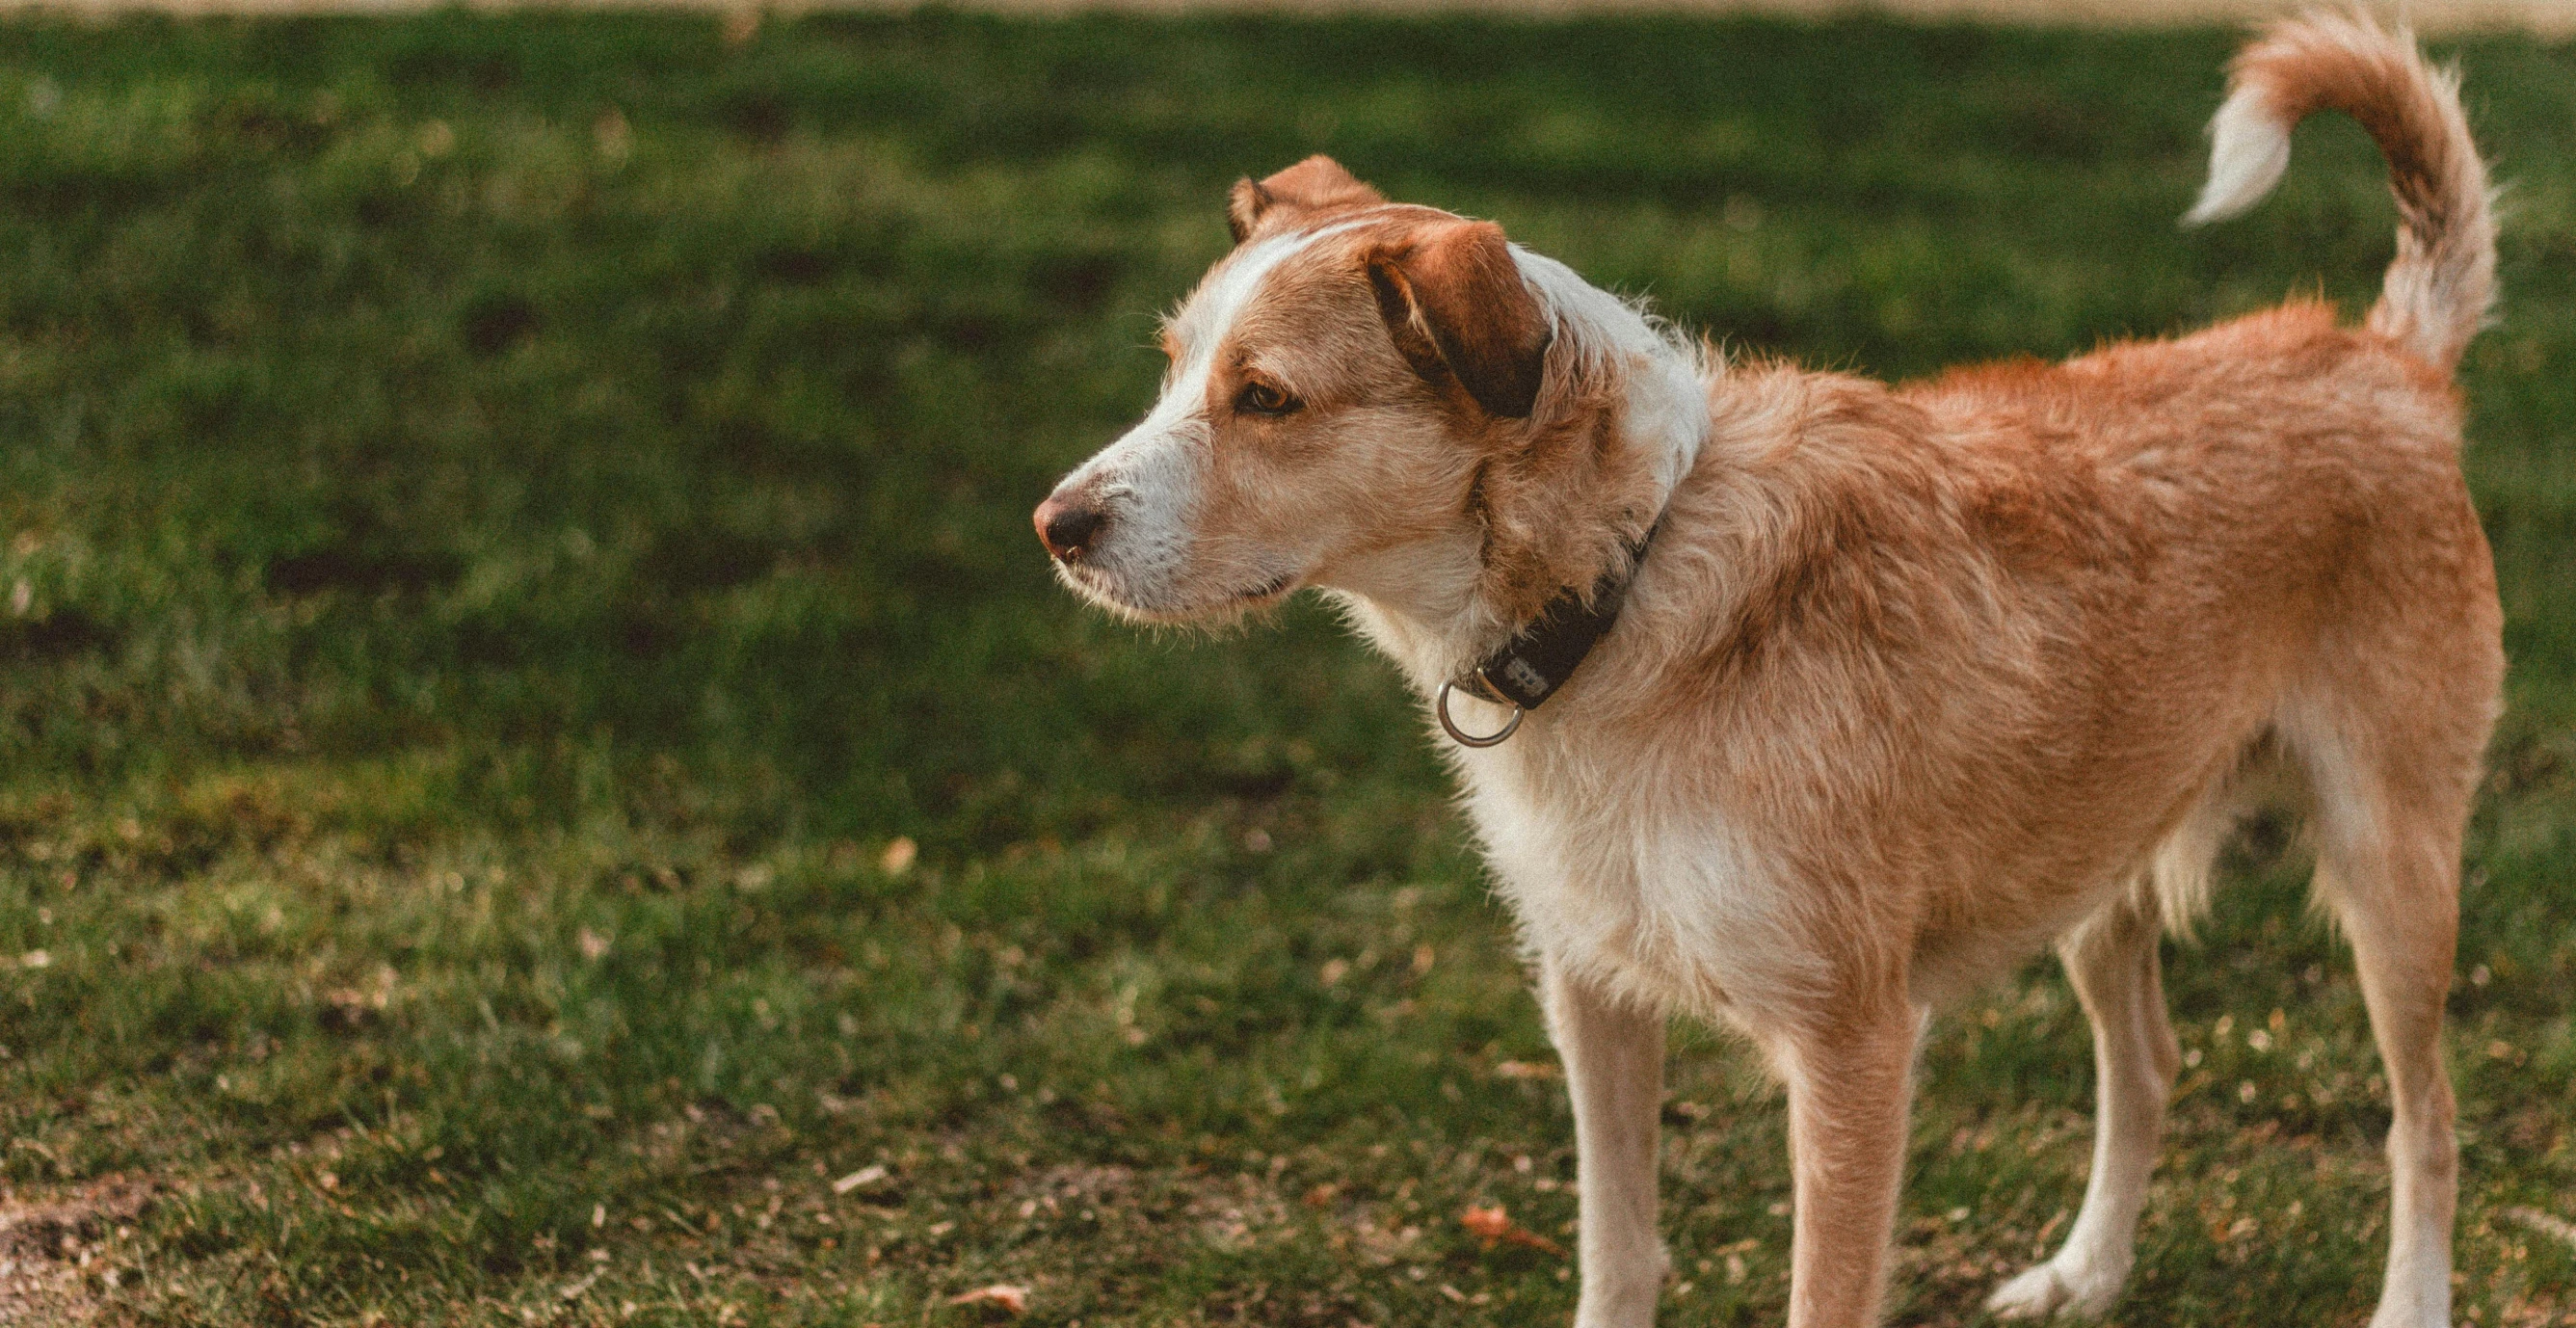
{"points": [[1654, 895]]}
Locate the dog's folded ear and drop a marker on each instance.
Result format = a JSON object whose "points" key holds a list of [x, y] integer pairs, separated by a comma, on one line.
{"points": [[1456, 305], [1312, 185]]}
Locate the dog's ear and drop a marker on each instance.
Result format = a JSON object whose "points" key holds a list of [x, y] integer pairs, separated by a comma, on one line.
{"points": [[1455, 303], [1311, 185]]}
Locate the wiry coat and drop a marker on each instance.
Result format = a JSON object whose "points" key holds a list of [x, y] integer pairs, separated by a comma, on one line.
{"points": [[1912, 681]]}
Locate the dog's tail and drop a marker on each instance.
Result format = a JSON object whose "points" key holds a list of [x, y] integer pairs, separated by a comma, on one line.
{"points": [[2443, 280]]}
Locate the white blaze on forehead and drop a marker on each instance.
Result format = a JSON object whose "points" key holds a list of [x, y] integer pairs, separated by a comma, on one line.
{"points": [[1201, 325], [1197, 330]]}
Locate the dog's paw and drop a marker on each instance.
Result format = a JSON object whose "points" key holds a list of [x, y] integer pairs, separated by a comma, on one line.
{"points": [[2035, 1294], [2432, 1310], [2045, 1290]]}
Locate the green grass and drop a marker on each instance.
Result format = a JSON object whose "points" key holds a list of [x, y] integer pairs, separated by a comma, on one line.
{"points": [[508, 524]]}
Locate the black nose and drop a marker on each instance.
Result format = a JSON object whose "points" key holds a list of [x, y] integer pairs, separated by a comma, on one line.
{"points": [[1067, 526]]}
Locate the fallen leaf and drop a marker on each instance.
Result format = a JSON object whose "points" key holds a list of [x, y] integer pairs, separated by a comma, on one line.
{"points": [[1495, 1224], [867, 1175], [1010, 1299], [899, 856], [577, 1290]]}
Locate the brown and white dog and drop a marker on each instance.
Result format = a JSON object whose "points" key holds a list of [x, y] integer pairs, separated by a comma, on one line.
{"points": [[1910, 682]]}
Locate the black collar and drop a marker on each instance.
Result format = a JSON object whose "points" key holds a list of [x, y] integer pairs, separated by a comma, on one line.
{"points": [[1527, 669]]}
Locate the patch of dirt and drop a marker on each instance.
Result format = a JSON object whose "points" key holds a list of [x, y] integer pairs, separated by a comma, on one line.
{"points": [[1234, 1215], [1229, 1212], [58, 1252]]}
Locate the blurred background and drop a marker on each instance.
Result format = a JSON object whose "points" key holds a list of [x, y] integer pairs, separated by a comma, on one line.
{"points": [[2546, 16], [544, 778]]}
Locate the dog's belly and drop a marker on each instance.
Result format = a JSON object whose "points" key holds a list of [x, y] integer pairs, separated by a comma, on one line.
{"points": [[1673, 910]]}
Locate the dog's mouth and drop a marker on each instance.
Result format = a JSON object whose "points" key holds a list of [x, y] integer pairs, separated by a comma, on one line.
{"points": [[1268, 590], [1105, 589]]}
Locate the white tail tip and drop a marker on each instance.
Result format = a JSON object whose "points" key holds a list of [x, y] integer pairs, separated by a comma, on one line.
{"points": [[2249, 149]]}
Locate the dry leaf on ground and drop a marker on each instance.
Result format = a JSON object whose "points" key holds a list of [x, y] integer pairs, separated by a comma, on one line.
{"points": [[1495, 1224], [1011, 1299]]}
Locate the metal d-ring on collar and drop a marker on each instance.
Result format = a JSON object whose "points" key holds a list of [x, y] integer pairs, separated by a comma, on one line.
{"points": [[1465, 739], [1538, 659]]}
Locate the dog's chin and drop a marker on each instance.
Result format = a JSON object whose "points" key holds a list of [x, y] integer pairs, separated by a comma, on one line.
{"points": [[1183, 609]]}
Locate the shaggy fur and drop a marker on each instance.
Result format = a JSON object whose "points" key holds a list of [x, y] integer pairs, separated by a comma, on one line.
{"points": [[1914, 680]]}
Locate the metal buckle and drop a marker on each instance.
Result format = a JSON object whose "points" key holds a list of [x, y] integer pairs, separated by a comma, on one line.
{"points": [[1440, 705]]}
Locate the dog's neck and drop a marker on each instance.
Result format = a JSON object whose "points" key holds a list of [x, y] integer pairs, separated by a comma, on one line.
{"points": [[1622, 425]]}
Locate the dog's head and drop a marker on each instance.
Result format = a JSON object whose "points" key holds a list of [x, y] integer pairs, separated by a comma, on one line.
{"points": [[1361, 395]]}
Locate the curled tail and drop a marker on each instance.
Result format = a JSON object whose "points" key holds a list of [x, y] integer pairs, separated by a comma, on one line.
{"points": [[2443, 280]]}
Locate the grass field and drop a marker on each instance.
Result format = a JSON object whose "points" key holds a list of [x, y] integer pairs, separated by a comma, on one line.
{"points": [[534, 737]]}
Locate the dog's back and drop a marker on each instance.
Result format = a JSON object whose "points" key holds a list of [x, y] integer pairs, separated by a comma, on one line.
{"points": [[2290, 488], [2253, 540]]}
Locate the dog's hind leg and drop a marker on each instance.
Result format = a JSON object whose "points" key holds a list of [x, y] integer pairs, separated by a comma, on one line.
{"points": [[2111, 959], [2402, 941], [2389, 856], [1614, 1070]]}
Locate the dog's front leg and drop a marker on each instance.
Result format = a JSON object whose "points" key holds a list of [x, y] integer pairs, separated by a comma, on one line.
{"points": [[1614, 1067], [1849, 1081]]}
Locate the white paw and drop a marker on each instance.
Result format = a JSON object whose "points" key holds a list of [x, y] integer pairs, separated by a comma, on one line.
{"points": [[2393, 1315], [1624, 1296], [2047, 1289], [2417, 1293]]}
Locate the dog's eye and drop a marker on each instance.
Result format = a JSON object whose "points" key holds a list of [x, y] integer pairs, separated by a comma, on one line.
{"points": [[1259, 398]]}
